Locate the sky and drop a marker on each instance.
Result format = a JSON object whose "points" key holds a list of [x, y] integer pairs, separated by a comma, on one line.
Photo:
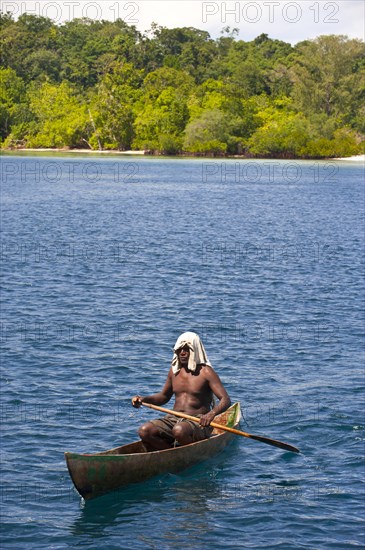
{"points": [[290, 21]]}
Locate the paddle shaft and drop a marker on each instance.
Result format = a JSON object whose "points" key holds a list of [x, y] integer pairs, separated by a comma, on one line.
{"points": [[261, 438]]}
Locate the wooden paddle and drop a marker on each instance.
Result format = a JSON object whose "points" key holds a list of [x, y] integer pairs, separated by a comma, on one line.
{"points": [[267, 440]]}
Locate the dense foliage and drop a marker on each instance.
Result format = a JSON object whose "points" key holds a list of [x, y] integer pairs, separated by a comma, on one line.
{"points": [[104, 85]]}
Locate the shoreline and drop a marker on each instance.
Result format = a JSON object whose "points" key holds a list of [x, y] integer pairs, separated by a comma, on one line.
{"points": [[82, 151], [354, 158]]}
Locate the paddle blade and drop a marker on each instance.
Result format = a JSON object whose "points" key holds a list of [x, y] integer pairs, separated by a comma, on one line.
{"points": [[275, 443]]}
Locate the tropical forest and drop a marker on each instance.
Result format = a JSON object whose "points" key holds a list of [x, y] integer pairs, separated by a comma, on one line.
{"points": [[103, 85]]}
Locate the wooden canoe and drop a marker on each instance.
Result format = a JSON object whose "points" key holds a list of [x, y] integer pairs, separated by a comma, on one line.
{"points": [[96, 474]]}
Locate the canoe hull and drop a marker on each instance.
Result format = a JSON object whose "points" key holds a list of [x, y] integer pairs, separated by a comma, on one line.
{"points": [[96, 474]]}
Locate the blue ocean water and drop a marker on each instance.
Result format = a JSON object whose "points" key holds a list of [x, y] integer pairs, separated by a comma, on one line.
{"points": [[106, 260]]}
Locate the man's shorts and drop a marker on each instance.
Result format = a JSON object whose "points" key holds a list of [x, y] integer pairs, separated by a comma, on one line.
{"points": [[166, 424]]}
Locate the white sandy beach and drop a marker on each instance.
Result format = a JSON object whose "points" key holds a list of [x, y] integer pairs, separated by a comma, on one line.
{"points": [[357, 158], [91, 151]]}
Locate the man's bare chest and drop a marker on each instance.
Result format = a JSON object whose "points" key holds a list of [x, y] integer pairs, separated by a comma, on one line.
{"points": [[189, 383]]}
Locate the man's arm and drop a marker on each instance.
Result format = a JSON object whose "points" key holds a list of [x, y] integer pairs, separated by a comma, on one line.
{"points": [[159, 398], [220, 392]]}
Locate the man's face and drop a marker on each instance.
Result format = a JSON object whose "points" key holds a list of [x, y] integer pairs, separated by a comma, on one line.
{"points": [[183, 355]]}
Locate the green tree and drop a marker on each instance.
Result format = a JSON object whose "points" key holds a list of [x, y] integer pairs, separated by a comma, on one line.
{"points": [[286, 137], [89, 49], [12, 90], [188, 49], [61, 119], [208, 96], [282, 132], [112, 108], [162, 112], [344, 143], [328, 77], [247, 80], [30, 47], [212, 132]]}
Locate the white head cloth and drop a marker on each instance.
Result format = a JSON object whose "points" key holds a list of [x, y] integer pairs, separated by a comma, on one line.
{"points": [[197, 356]]}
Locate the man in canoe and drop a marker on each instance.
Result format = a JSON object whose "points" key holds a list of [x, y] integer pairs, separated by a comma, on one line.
{"points": [[193, 381]]}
